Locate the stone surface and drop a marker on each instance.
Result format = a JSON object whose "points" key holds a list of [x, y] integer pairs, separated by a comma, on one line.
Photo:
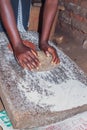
{"points": [[35, 99]]}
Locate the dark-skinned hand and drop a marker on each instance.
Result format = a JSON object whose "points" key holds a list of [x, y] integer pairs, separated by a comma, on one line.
{"points": [[50, 50], [26, 57]]}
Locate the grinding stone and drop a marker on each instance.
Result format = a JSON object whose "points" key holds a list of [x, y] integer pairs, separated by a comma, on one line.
{"points": [[34, 99]]}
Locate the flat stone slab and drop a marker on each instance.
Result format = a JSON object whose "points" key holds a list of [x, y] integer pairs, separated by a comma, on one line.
{"points": [[35, 99]]}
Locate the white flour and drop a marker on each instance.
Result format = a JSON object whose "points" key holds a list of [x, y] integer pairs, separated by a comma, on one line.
{"points": [[66, 95]]}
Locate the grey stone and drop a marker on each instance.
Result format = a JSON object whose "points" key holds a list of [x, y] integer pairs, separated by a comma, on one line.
{"points": [[34, 99]]}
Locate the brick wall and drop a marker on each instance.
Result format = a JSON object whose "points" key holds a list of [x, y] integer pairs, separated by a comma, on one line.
{"points": [[73, 17]]}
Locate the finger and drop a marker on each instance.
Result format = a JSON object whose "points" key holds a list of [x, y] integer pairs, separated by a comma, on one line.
{"points": [[56, 61], [22, 64], [19, 61], [27, 64], [47, 53], [29, 67], [34, 58], [53, 60], [34, 65], [54, 55], [31, 61], [34, 53]]}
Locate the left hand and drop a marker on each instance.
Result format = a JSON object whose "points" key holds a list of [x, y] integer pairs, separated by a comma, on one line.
{"points": [[50, 50]]}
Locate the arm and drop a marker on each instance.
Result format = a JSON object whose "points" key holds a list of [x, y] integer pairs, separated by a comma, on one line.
{"points": [[25, 56], [50, 9]]}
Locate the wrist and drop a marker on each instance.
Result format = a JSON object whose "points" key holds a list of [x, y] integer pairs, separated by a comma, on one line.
{"points": [[17, 45], [44, 42]]}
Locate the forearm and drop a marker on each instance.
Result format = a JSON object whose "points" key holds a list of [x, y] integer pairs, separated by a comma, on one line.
{"points": [[8, 19], [50, 9], [25, 56]]}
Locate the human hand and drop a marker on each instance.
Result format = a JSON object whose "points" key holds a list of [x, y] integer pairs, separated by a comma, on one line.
{"points": [[26, 56], [50, 50]]}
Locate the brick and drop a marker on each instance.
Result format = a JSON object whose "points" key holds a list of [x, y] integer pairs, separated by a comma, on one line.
{"points": [[73, 18], [76, 22], [75, 1], [84, 3], [76, 9]]}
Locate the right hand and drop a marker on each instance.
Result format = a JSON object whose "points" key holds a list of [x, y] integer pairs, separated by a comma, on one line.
{"points": [[26, 57], [44, 46]]}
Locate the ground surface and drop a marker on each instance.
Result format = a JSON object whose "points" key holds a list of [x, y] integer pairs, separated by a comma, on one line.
{"points": [[74, 49]]}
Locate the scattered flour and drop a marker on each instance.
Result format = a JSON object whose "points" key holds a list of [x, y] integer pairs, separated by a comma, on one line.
{"points": [[67, 95]]}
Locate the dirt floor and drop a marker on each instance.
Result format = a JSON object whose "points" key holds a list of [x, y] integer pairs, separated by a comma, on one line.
{"points": [[73, 49]]}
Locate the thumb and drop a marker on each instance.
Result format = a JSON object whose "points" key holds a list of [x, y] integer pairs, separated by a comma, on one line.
{"points": [[47, 53]]}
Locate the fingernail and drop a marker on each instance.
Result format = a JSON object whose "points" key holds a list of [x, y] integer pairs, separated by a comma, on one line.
{"points": [[48, 55], [37, 68], [40, 64], [52, 62]]}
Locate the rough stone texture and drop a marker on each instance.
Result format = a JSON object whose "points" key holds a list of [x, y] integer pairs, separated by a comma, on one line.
{"points": [[35, 99]]}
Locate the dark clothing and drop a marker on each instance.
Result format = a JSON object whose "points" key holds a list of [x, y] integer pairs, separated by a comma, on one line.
{"points": [[25, 12]]}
